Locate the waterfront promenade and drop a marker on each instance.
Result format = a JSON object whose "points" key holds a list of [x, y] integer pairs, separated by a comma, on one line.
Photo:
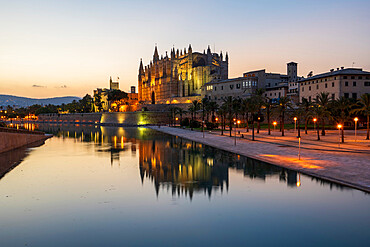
{"points": [[347, 164]]}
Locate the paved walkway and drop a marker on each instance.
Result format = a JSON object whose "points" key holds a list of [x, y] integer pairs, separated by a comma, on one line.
{"points": [[348, 165]]}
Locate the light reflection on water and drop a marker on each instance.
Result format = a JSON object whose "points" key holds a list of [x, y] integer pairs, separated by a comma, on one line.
{"points": [[133, 186]]}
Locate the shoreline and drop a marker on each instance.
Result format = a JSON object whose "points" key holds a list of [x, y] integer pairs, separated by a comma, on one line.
{"points": [[331, 166]]}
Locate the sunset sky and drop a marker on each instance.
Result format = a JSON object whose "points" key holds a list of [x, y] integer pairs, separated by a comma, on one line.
{"points": [[68, 48]]}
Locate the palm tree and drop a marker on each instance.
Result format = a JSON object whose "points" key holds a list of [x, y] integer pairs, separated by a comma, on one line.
{"points": [[307, 106], [253, 109], [180, 112], [222, 111], [245, 110], [317, 113], [323, 101], [228, 102], [284, 104], [268, 106], [193, 108], [363, 106], [259, 101], [341, 112], [212, 108]]}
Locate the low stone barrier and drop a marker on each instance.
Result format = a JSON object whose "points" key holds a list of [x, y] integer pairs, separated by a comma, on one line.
{"points": [[12, 139]]}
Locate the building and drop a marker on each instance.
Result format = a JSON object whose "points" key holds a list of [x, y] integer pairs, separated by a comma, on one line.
{"points": [[275, 85], [343, 82], [179, 76], [240, 87], [101, 102]]}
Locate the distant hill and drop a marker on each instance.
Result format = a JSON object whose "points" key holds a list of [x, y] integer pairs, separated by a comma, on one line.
{"points": [[16, 101]]}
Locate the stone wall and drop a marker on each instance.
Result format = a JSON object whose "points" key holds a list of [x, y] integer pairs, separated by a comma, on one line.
{"points": [[70, 118], [134, 118], [138, 118], [10, 140]]}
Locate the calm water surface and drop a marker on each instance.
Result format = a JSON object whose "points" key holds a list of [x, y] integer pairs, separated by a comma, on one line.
{"points": [[108, 186]]}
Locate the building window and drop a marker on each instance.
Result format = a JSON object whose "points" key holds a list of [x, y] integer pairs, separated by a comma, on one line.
{"points": [[309, 88], [332, 84], [309, 99], [352, 77], [346, 95], [215, 97], [367, 83], [344, 77], [238, 85], [326, 85], [303, 89], [333, 96], [270, 94], [360, 77], [354, 84], [231, 86], [215, 88], [346, 83], [317, 86], [209, 97], [354, 95], [222, 87]]}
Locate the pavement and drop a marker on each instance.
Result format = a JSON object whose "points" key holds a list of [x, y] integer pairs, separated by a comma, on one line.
{"points": [[344, 163]]}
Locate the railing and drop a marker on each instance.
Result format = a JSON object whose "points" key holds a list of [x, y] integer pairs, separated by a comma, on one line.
{"points": [[20, 131]]}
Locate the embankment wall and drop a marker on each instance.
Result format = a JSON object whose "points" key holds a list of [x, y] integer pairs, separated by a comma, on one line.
{"points": [[109, 118], [12, 139]]}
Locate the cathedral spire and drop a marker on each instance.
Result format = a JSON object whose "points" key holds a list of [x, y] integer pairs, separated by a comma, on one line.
{"points": [[141, 69], [221, 57], [227, 57], [110, 79], [155, 56], [209, 49], [190, 49]]}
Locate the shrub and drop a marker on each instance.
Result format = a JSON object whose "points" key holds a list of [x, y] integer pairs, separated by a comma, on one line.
{"points": [[194, 124], [185, 122], [211, 126]]}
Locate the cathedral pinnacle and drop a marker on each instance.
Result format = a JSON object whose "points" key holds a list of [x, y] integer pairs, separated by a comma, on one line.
{"points": [[155, 56]]}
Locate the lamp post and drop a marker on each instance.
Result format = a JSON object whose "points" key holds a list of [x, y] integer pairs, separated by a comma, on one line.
{"points": [[203, 128], [274, 123], [299, 148], [295, 124], [235, 132], [339, 128], [314, 123], [176, 119], [355, 119]]}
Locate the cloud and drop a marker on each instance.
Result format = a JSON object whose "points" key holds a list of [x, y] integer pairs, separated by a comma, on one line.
{"points": [[34, 85], [64, 86]]}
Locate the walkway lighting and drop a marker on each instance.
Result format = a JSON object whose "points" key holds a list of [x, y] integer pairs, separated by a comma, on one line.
{"points": [[339, 128], [355, 119], [216, 119], [314, 123], [295, 124]]}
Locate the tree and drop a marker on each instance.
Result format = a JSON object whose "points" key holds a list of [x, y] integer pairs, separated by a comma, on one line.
{"points": [[268, 107], [98, 102], [212, 107], [307, 106], [193, 108], [228, 103], [245, 110], [363, 106], [86, 103], [341, 112], [260, 100], [284, 104], [323, 101], [253, 109]]}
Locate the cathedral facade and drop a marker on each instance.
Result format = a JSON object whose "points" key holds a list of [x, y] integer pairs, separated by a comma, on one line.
{"points": [[179, 76]]}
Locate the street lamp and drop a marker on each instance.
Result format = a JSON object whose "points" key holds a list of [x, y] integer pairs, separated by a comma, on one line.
{"points": [[295, 124], [274, 123], [355, 119], [339, 128], [176, 119], [203, 128], [235, 131], [314, 123]]}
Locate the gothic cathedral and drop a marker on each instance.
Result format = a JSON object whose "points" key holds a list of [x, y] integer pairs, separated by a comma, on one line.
{"points": [[179, 76]]}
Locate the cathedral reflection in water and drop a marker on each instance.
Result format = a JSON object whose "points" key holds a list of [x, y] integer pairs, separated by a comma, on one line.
{"points": [[174, 164]]}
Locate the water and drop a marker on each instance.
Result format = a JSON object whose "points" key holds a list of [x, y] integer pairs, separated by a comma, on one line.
{"points": [[108, 186]]}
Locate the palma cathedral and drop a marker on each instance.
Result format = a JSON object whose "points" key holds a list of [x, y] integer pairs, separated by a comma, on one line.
{"points": [[178, 77]]}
